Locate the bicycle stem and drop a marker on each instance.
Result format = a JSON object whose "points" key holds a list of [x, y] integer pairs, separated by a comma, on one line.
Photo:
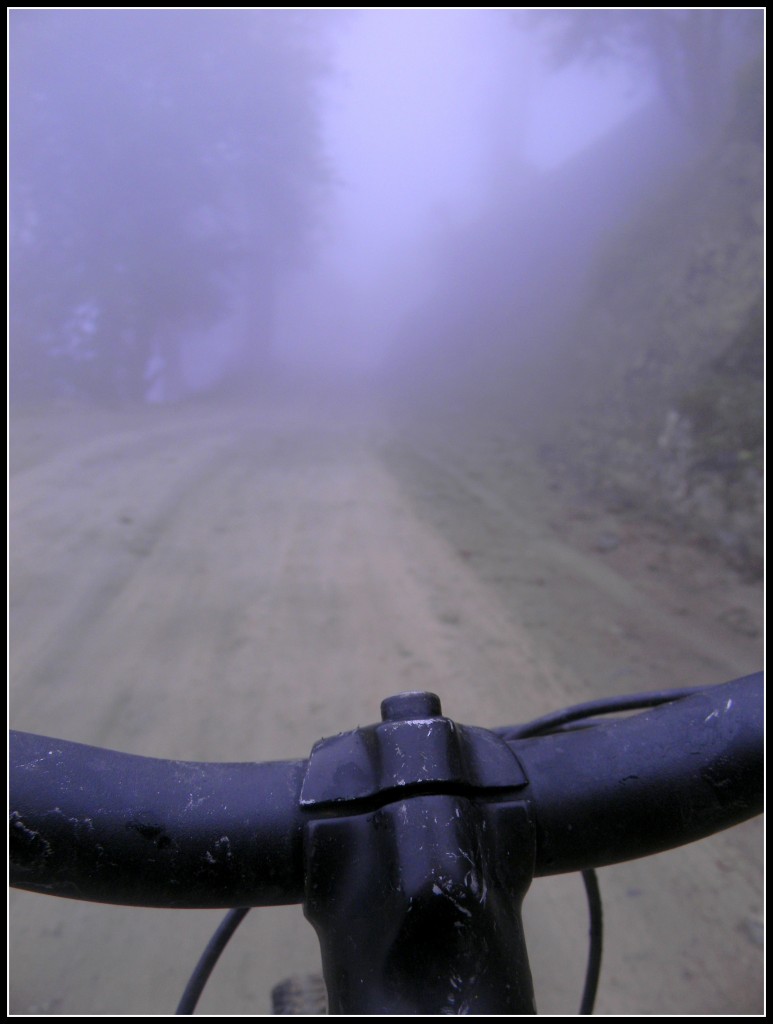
{"points": [[415, 880], [411, 842]]}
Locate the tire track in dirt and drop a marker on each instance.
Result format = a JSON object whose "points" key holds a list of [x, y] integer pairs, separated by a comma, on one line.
{"points": [[92, 520], [548, 579]]}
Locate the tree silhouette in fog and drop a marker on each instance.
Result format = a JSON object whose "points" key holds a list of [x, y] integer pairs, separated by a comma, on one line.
{"points": [[693, 54], [165, 168]]}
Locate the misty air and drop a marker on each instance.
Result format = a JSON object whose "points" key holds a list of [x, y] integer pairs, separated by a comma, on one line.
{"points": [[361, 351]]}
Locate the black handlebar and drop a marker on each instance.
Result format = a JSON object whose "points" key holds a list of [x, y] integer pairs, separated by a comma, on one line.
{"points": [[648, 783], [111, 827]]}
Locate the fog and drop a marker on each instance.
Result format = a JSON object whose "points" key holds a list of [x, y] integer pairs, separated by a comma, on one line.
{"points": [[435, 121], [363, 351], [200, 197]]}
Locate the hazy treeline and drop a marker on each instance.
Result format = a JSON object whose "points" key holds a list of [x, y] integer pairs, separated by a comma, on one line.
{"points": [[166, 171], [502, 317], [692, 54]]}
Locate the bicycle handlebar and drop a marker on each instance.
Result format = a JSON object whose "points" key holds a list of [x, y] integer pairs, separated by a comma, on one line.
{"points": [[648, 783], [112, 827]]}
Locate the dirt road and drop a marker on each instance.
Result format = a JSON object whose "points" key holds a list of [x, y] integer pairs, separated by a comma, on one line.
{"points": [[232, 585]]}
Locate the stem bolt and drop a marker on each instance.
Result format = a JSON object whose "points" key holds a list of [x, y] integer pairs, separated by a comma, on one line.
{"points": [[410, 705]]}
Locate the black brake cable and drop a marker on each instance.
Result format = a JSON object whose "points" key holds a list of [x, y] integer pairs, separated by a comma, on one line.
{"points": [[595, 941], [208, 959], [605, 706]]}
